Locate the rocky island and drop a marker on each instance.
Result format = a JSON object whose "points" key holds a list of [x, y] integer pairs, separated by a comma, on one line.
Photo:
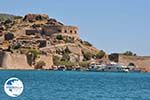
{"points": [[36, 41]]}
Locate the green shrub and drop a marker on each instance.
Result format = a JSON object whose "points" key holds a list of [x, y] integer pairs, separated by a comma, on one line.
{"points": [[129, 53], [57, 61], [17, 17], [4, 17], [87, 43], [66, 51], [100, 54], [16, 46], [87, 56], [33, 52], [69, 40], [59, 37], [40, 65], [84, 64], [65, 57], [68, 64]]}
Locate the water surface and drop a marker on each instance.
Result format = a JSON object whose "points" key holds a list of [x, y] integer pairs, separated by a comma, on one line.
{"points": [[69, 85]]}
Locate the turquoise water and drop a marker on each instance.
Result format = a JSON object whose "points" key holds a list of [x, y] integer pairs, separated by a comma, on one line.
{"points": [[59, 85]]}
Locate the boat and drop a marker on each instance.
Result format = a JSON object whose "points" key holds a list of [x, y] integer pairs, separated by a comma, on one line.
{"points": [[112, 67], [116, 68], [97, 67], [61, 68]]}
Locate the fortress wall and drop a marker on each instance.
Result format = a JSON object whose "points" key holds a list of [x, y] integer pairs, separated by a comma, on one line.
{"points": [[14, 61], [2, 54], [48, 59], [140, 62], [49, 30], [65, 34], [19, 61], [69, 29]]}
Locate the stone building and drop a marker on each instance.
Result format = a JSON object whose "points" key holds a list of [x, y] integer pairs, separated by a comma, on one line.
{"points": [[50, 30], [32, 31], [43, 43]]}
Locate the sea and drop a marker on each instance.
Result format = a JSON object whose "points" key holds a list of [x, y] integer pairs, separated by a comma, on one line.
{"points": [[76, 85]]}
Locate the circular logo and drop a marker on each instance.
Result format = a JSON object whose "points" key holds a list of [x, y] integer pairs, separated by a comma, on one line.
{"points": [[13, 87]]}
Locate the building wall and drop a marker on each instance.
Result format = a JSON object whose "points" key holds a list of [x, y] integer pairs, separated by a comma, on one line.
{"points": [[2, 54], [31, 31], [13, 61], [138, 61], [48, 61], [19, 61], [69, 29], [49, 30]]}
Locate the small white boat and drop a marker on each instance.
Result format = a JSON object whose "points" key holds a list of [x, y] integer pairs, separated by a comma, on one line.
{"points": [[116, 68]]}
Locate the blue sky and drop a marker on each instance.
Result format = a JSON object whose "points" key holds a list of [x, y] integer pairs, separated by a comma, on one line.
{"points": [[111, 25]]}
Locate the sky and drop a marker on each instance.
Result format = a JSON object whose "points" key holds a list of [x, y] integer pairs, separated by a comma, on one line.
{"points": [[110, 25]]}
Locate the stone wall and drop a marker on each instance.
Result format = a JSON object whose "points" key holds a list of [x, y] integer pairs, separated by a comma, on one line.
{"points": [[2, 54], [69, 29], [48, 61], [19, 61], [13, 61], [49, 30], [139, 61], [142, 62]]}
